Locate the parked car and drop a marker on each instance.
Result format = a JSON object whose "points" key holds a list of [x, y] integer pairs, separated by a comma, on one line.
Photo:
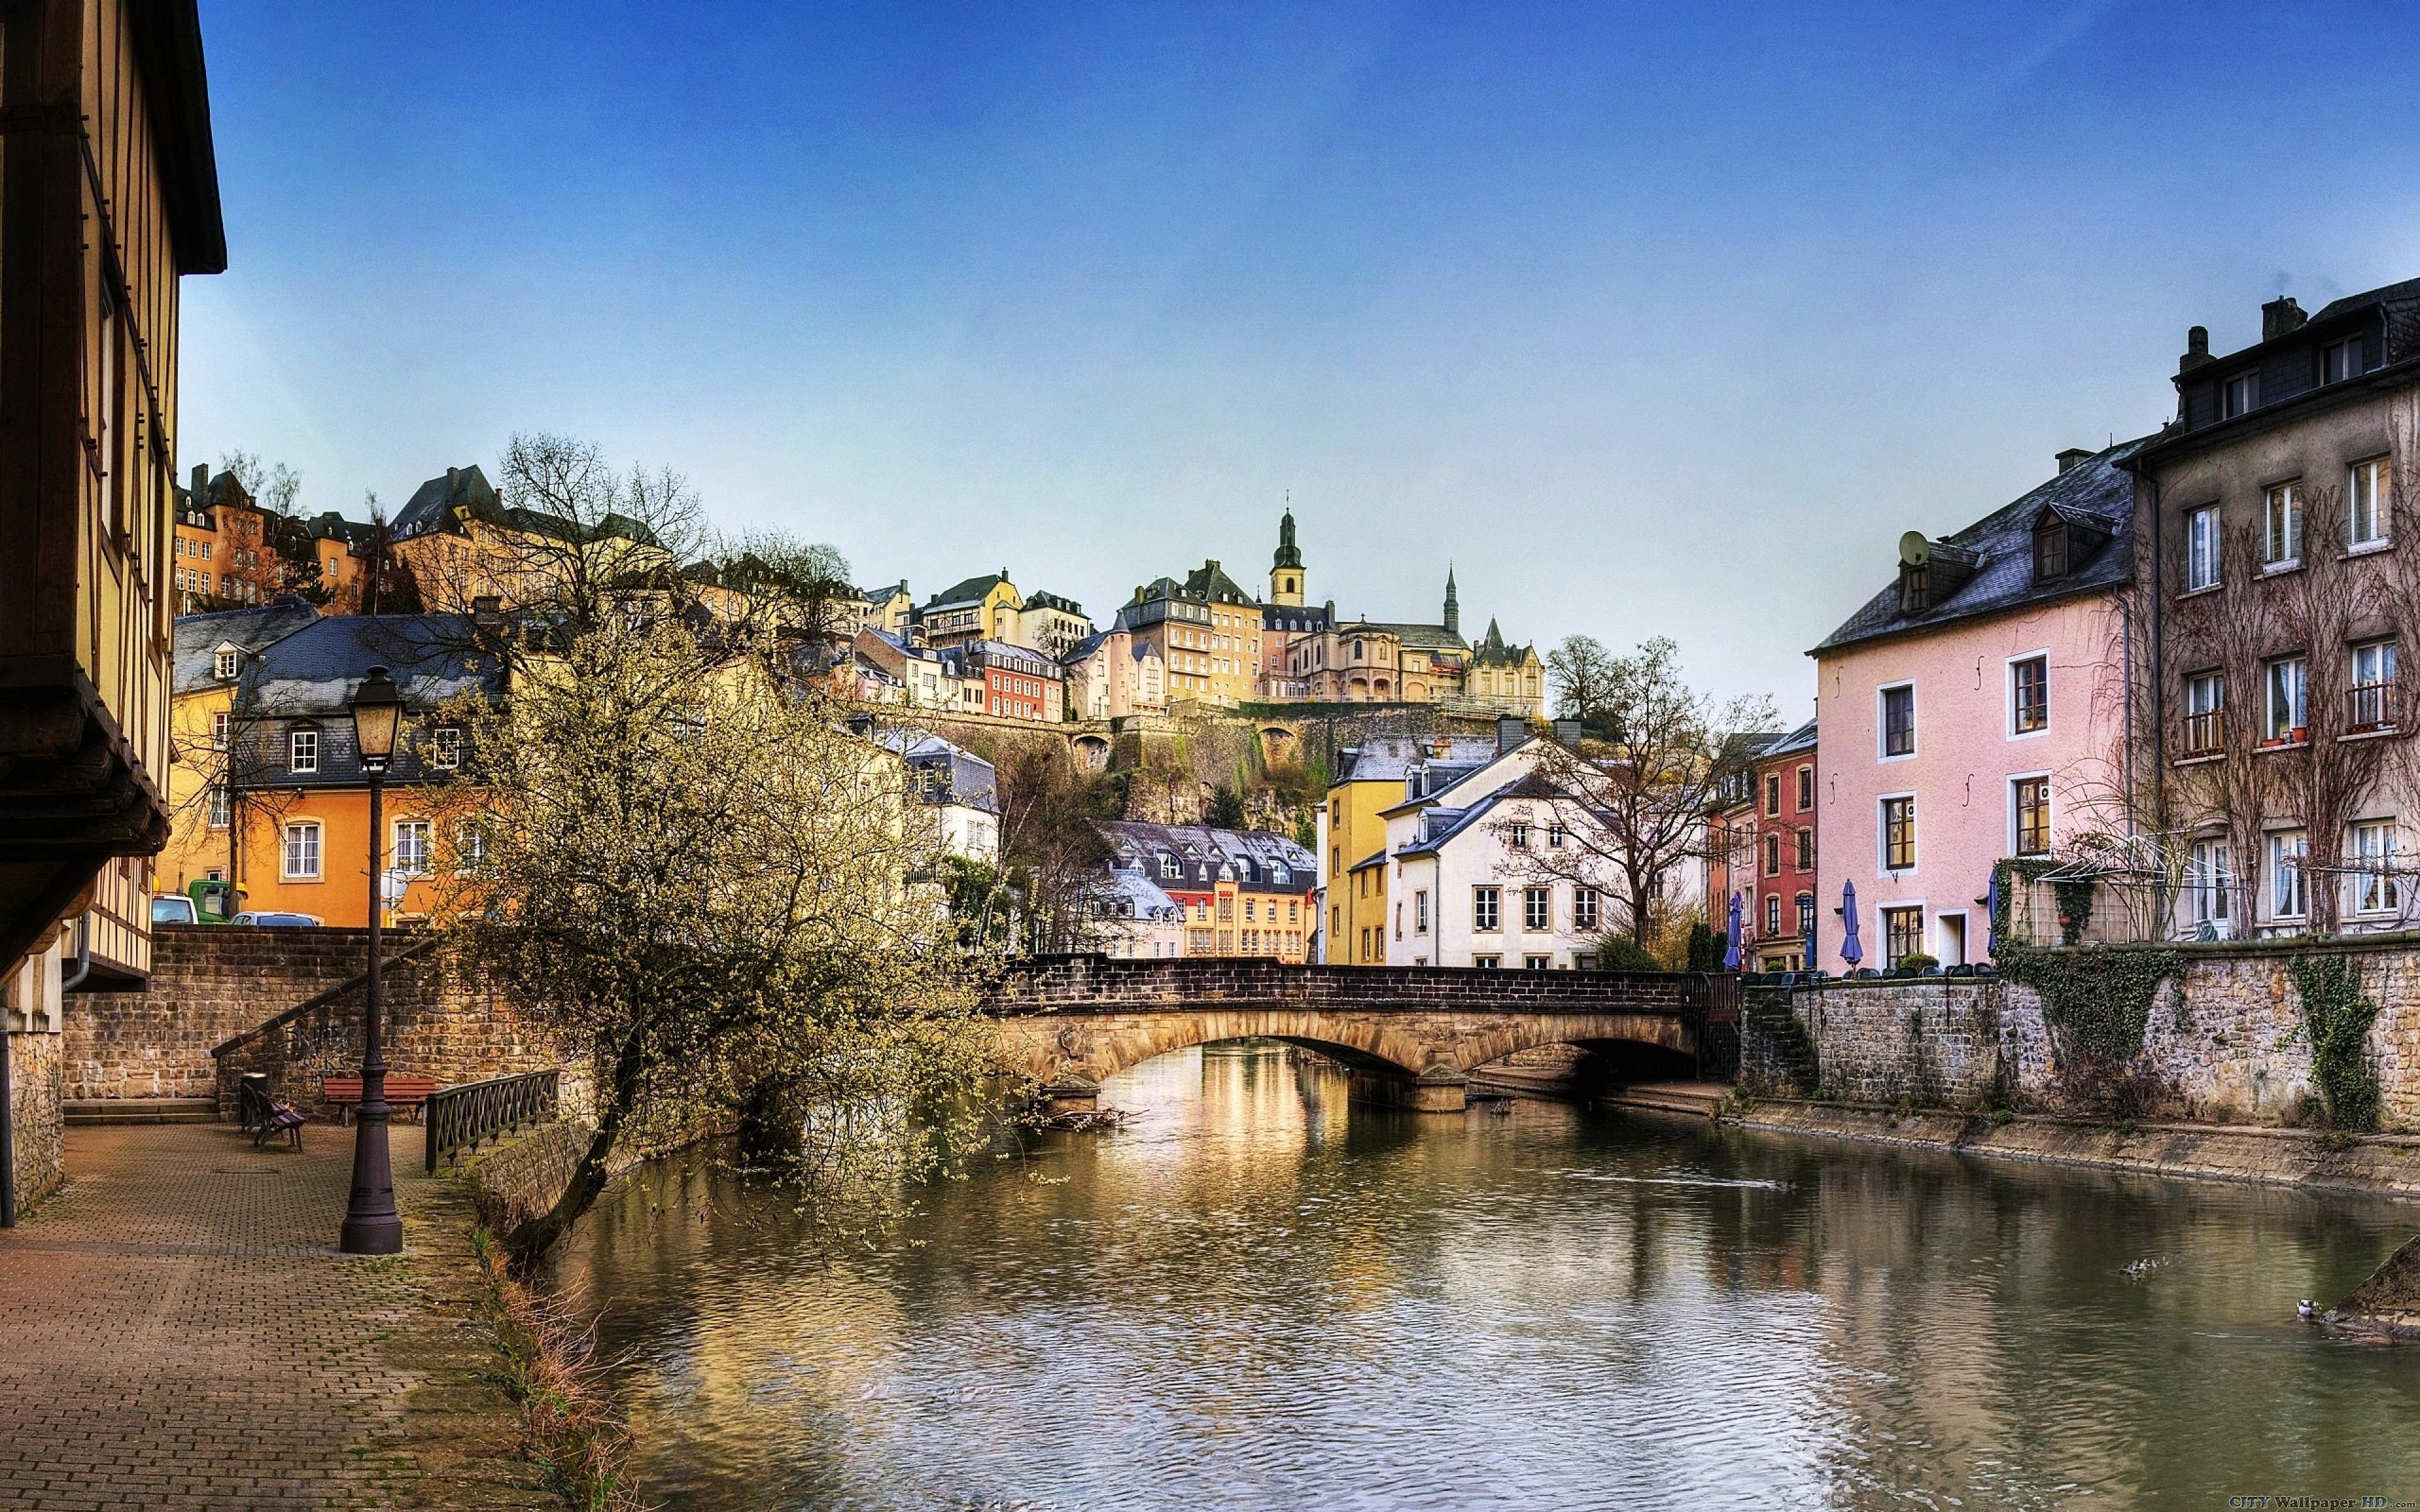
{"points": [[266, 918], [174, 908]]}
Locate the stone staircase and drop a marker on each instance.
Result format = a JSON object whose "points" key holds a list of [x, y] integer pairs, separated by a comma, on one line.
{"points": [[1769, 1015], [1693, 1099], [142, 1110]]}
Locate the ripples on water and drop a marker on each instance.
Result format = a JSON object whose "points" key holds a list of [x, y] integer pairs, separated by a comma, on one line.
{"points": [[1249, 1297]]}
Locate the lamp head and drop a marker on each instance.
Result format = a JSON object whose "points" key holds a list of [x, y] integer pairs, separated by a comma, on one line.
{"points": [[378, 715]]}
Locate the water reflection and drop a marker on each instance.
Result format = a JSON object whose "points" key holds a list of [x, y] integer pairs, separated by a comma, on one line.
{"points": [[1252, 1297]]}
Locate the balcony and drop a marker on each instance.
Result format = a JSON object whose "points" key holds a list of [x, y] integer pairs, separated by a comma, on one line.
{"points": [[2372, 708], [2203, 735]]}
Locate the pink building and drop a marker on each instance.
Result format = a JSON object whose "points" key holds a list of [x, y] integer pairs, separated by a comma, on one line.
{"points": [[1975, 710]]}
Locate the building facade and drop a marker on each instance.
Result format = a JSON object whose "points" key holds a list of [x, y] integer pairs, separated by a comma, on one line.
{"points": [[1205, 630], [1778, 886], [1242, 891], [1976, 710], [1112, 674], [2279, 597], [1354, 875], [111, 195]]}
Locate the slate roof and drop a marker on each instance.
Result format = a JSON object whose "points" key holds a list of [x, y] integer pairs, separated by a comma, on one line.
{"points": [[198, 637], [1209, 583], [2003, 579], [1440, 826], [2402, 303], [1421, 637], [314, 671], [1200, 849], [1130, 894], [432, 504], [971, 591], [952, 773], [1494, 652], [1798, 741], [1050, 600]]}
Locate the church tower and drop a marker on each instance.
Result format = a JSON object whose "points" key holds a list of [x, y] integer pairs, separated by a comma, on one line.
{"points": [[1452, 607], [1285, 571]]}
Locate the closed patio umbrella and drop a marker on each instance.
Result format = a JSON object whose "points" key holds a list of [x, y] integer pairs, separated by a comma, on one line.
{"points": [[1992, 916], [1731, 933], [1851, 950]]}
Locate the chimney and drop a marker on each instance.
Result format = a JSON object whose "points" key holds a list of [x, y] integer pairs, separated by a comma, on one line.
{"points": [[1510, 730], [2197, 350], [201, 483], [453, 479], [2071, 456], [1567, 731], [487, 609], [2280, 315]]}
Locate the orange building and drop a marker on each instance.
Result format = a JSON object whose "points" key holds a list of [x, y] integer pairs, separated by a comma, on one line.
{"points": [[271, 795]]}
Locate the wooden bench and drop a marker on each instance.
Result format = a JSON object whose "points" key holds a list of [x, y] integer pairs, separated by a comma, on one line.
{"points": [[344, 1093], [278, 1119]]}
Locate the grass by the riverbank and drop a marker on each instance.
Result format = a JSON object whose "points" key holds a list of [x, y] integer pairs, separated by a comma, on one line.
{"points": [[572, 1430]]}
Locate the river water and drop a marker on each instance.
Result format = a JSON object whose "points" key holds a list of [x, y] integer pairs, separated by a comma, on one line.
{"points": [[1251, 1297]]}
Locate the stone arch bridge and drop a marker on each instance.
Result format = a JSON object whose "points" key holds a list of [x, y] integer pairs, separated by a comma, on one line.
{"points": [[1412, 1036]]}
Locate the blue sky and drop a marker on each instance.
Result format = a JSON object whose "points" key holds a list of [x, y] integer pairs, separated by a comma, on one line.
{"points": [[1661, 319]]}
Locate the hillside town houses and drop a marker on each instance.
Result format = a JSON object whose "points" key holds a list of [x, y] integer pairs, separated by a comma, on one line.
{"points": [[2165, 678]]}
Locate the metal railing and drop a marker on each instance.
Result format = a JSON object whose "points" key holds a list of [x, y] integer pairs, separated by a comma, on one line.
{"points": [[2204, 734], [2371, 706], [460, 1117]]}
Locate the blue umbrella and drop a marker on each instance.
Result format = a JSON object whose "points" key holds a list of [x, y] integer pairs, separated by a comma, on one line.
{"points": [[1731, 955], [1851, 950], [1991, 916]]}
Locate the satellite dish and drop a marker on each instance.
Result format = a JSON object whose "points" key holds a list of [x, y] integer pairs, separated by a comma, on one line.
{"points": [[1914, 548]]}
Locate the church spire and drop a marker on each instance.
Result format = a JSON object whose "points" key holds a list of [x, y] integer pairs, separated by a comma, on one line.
{"points": [[1452, 605], [1285, 568]]}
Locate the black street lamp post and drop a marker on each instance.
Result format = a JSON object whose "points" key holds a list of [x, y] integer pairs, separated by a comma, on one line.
{"points": [[372, 1226]]}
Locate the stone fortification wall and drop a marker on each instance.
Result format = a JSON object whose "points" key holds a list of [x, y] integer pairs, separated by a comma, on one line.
{"points": [[34, 1115]]}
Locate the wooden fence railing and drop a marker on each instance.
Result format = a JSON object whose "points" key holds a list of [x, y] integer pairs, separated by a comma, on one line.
{"points": [[463, 1116]]}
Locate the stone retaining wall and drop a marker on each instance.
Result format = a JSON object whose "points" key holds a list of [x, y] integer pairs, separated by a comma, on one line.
{"points": [[208, 985], [2224, 1044], [36, 1126]]}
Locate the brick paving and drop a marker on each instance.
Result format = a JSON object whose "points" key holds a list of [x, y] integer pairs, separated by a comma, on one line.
{"points": [[180, 1333]]}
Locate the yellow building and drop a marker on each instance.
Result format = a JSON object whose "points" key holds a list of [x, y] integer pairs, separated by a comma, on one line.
{"points": [[112, 195], [1205, 629], [1371, 779], [1508, 679], [978, 608], [1354, 663]]}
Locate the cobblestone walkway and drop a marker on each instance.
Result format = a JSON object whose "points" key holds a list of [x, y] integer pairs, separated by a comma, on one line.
{"points": [[180, 1333]]}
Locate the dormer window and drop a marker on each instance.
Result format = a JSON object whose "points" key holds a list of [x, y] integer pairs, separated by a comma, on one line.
{"points": [[2339, 360], [2242, 393], [303, 749], [2050, 549], [445, 752], [1915, 588], [223, 664]]}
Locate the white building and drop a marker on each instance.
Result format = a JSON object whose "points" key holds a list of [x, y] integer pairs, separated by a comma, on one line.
{"points": [[957, 788], [1485, 870], [1111, 674], [1134, 919]]}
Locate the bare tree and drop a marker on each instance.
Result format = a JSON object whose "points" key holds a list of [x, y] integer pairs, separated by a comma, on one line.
{"points": [[1632, 807], [1585, 676]]}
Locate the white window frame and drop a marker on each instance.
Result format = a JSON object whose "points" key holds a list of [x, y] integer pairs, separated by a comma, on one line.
{"points": [[1537, 910], [2369, 481], [2281, 536], [2375, 891], [1882, 834], [2351, 352], [1772, 916], [223, 664], [2249, 380], [2283, 843], [445, 747], [303, 750], [1585, 909], [423, 836], [2205, 546], [2209, 870], [2301, 719], [221, 811], [1420, 911], [2050, 822], [310, 833], [1487, 910], [1882, 722], [2008, 681]]}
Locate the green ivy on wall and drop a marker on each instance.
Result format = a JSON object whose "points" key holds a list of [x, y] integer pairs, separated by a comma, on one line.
{"points": [[2097, 1002], [2336, 1017]]}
